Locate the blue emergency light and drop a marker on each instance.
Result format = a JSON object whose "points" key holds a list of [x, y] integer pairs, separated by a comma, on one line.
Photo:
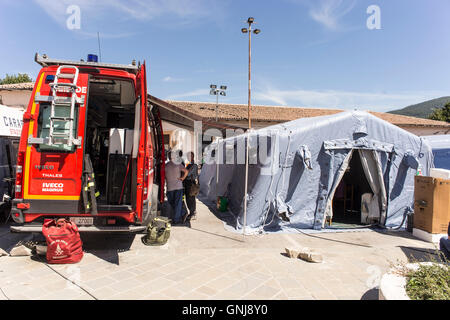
{"points": [[50, 78], [92, 58]]}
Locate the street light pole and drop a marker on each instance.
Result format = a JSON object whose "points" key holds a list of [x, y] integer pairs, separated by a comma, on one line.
{"points": [[249, 30], [250, 21], [216, 92], [222, 92], [217, 107], [249, 76]]}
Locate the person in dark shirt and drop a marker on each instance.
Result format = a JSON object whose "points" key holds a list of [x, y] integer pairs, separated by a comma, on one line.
{"points": [[191, 179], [444, 244]]}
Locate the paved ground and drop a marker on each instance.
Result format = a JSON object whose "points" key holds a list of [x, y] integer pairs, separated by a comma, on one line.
{"points": [[207, 262]]}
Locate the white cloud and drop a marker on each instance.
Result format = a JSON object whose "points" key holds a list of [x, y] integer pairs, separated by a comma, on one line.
{"points": [[333, 99], [189, 94], [171, 79], [328, 13]]}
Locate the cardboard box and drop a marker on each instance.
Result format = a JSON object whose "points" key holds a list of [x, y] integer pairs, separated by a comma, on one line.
{"points": [[431, 204]]}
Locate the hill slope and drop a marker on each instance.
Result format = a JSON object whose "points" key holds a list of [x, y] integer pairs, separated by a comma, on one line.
{"points": [[424, 109]]}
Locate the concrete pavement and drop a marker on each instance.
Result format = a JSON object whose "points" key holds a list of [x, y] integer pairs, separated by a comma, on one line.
{"points": [[207, 262]]}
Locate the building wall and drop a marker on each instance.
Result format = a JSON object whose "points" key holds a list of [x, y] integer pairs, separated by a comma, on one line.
{"points": [[255, 124], [176, 137], [16, 98], [423, 131]]}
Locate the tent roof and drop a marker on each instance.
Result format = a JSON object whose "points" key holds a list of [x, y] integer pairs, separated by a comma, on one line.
{"points": [[307, 124]]}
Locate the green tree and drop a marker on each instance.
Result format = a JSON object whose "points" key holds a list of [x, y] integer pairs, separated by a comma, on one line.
{"points": [[19, 78], [442, 114]]}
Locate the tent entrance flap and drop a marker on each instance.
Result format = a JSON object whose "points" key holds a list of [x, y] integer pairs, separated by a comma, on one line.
{"points": [[357, 195], [374, 174]]}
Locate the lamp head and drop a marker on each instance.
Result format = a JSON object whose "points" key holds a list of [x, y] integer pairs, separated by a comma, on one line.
{"points": [[244, 30], [250, 20], [256, 31]]}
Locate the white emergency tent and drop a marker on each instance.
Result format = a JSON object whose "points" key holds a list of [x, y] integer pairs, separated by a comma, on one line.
{"points": [[296, 167]]}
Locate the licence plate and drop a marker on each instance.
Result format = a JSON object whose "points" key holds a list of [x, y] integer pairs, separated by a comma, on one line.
{"points": [[82, 221]]}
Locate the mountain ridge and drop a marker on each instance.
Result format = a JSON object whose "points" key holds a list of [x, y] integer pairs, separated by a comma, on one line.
{"points": [[423, 109]]}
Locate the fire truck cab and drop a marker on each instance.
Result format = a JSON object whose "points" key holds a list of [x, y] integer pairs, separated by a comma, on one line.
{"points": [[91, 149]]}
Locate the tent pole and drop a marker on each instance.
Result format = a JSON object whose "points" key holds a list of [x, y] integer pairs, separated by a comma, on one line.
{"points": [[246, 182], [217, 171]]}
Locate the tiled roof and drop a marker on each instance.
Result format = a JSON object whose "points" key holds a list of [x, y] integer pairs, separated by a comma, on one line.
{"points": [[237, 112], [400, 120], [207, 110], [18, 86]]}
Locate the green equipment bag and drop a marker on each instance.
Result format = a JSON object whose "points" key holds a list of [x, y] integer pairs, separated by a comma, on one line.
{"points": [[158, 232], [222, 204]]}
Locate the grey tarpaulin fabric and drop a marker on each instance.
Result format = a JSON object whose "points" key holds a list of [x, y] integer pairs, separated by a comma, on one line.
{"points": [[441, 150], [374, 174], [295, 167]]}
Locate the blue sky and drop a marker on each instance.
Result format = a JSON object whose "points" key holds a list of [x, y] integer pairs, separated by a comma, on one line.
{"points": [[310, 53]]}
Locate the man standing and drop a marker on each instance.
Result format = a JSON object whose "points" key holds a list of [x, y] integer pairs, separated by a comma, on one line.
{"points": [[175, 174], [189, 185]]}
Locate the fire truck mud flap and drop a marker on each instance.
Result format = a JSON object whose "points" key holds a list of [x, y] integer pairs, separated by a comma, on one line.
{"points": [[114, 229]]}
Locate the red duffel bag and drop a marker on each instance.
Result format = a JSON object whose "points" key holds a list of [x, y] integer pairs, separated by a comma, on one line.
{"points": [[63, 241]]}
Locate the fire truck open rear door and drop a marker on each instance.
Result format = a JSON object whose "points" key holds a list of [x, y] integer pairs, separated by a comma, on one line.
{"points": [[140, 141]]}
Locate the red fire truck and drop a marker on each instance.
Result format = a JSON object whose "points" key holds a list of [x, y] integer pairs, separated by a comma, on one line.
{"points": [[91, 148]]}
